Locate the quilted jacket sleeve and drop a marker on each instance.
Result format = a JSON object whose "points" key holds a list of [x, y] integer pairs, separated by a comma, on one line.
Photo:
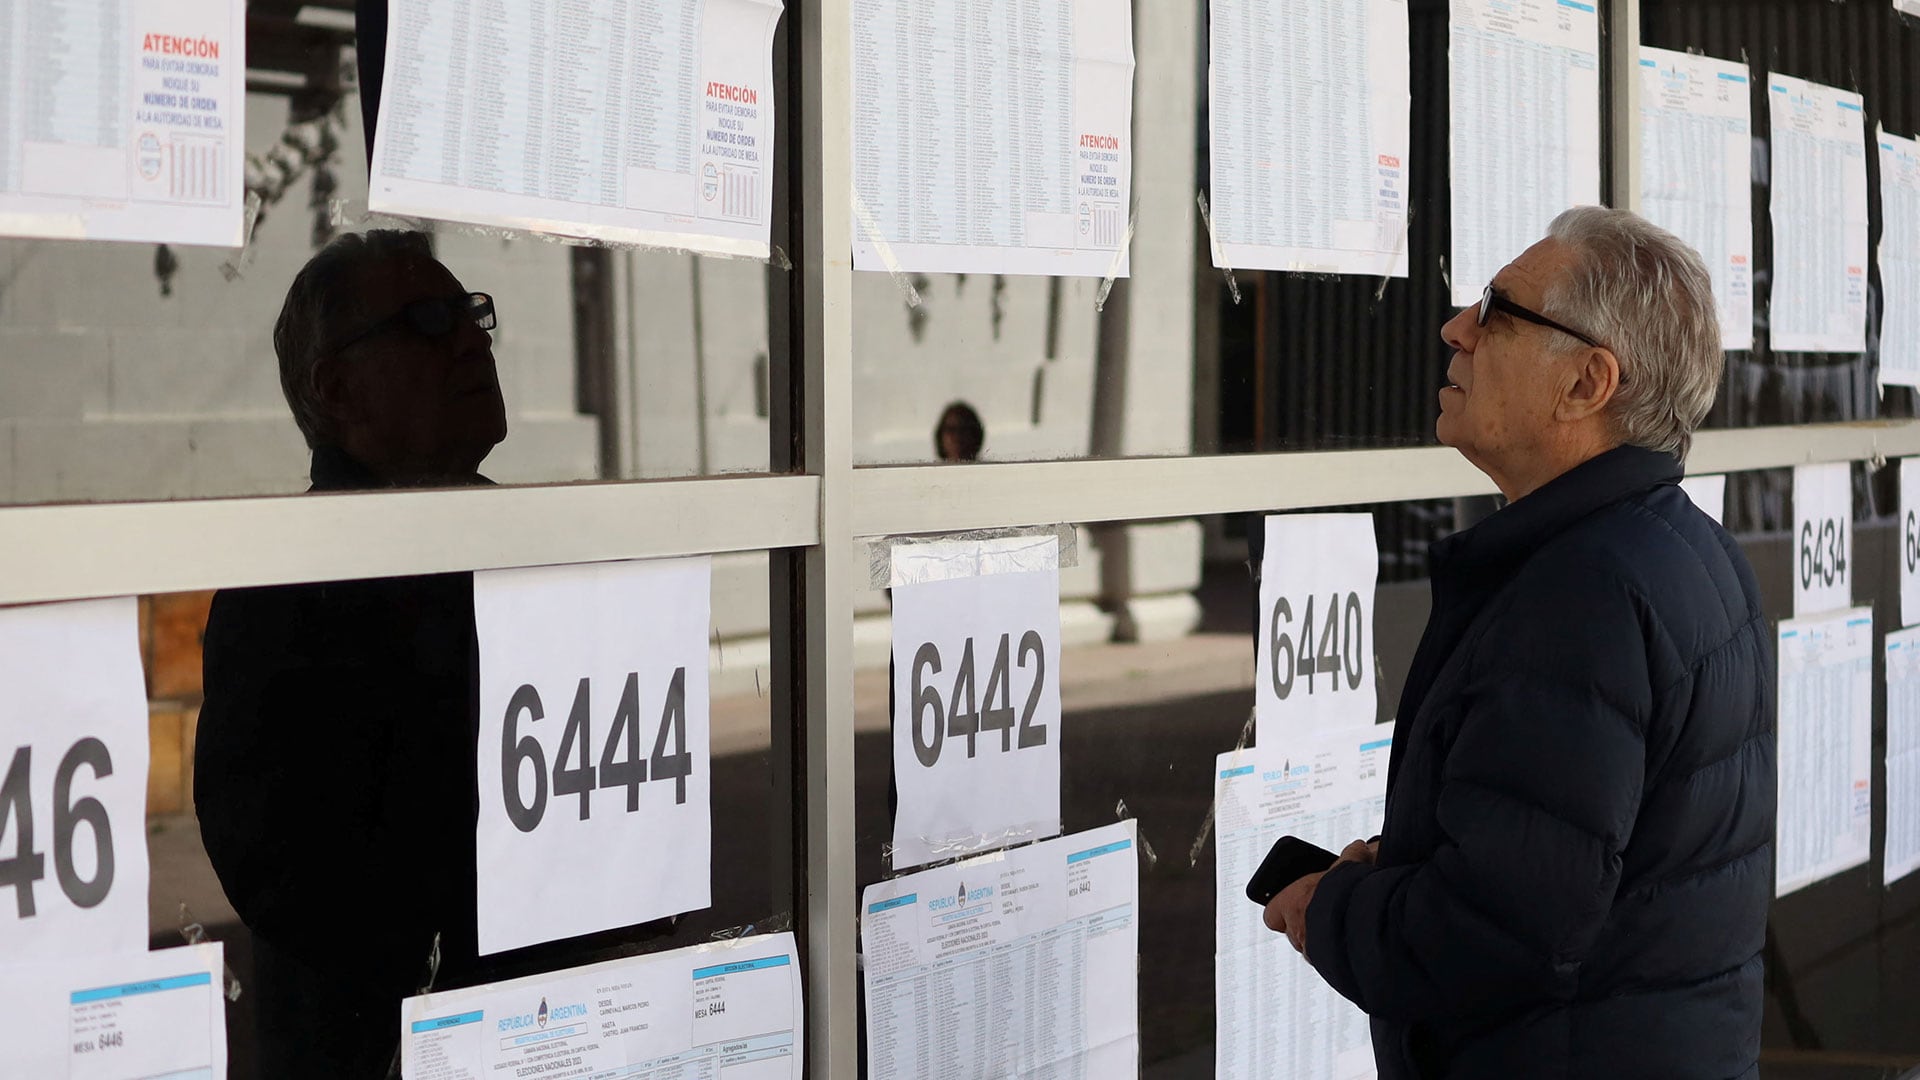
{"points": [[1537, 799]]}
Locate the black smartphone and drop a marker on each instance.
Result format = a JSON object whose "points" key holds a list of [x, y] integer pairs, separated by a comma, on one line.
{"points": [[1290, 859]]}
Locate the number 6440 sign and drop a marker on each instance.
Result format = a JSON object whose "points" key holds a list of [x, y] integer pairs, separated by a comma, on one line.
{"points": [[1315, 660]]}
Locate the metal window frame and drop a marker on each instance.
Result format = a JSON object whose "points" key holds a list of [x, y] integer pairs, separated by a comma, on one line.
{"points": [[80, 551]]}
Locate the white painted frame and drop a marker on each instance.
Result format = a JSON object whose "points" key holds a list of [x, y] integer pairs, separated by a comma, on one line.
{"points": [[76, 551]]}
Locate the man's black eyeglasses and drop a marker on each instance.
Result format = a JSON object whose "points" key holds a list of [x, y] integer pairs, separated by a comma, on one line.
{"points": [[1491, 301], [434, 317]]}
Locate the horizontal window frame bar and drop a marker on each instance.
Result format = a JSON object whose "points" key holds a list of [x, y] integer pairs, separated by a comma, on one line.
{"points": [[77, 551], [897, 500]]}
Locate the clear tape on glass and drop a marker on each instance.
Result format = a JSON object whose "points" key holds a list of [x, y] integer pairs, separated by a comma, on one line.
{"points": [[1206, 824], [1146, 849], [871, 228], [195, 934], [908, 560], [948, 849], [777, 923], [1213, 242], [236, 264], [1119, 256], [1399, 246], [353, 215]]}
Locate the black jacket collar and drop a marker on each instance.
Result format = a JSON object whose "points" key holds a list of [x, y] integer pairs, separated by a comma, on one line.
{"points": [[336, 470], [1497, 545], [1468, 567]]}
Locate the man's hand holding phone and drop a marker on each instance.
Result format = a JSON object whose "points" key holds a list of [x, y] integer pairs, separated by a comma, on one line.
{"points": [[1287, 878]]}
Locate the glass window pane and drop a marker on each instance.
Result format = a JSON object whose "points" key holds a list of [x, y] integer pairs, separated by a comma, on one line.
{"points": [[311, 798], [1860, 47], [136, 371]]}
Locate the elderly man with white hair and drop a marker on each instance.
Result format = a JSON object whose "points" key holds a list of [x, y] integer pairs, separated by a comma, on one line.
{"points": [[1573, 876]]}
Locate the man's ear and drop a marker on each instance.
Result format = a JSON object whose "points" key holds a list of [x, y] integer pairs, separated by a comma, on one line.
{"points": [[1596, 379], [332, 388]]}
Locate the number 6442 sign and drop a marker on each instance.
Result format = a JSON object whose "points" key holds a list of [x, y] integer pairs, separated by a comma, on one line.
{"points": [[1314, 665], [976, 698]]}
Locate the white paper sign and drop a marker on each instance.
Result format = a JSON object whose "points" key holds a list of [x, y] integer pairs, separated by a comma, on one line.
{"points": [[73, 781], [1819, 207], [116, 1016], [1328, 789], [1313, 665], [1899, 260], [630, 121], [593, 757], [1309, 155], [1696, 171], [1025, 961], [1824, 747], [1523, 85], [729, 1009], [1823, 538], [976, 696], [1909, 541], [124, 121], [992, 138], [1903, 756], [1709, 493], [1910, 7]]}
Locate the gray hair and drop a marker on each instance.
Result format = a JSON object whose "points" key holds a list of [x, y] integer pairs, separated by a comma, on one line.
{"points": [[1643, 293], [324, 304]]}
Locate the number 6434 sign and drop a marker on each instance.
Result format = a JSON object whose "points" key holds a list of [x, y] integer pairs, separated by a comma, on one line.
{"points": [[1314, 665], [976, 700]]}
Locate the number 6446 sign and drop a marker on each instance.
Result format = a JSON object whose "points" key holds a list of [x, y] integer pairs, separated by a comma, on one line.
{"points": [[73, 781], [1314, 665]]}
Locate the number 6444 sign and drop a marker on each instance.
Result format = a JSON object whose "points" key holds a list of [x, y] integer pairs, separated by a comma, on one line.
{"points": [[1314, 665], [593, 754]]}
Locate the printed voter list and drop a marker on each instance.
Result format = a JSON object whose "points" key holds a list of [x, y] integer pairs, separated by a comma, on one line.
{"points": [[1825, 747], [1523, 79], [730, 1011], [628, 121], [976, 695], [1273, 1014], [73, 781], [121, 120], [113, 1016], [992, 136], [593, 760], [1819, 205], [1902, 856], [1020, 963], [1308, 106], [1899, 260], [1696, 171]]}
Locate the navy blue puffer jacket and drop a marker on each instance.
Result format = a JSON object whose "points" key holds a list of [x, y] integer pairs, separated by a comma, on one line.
{"points": [[1574, 873]]}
